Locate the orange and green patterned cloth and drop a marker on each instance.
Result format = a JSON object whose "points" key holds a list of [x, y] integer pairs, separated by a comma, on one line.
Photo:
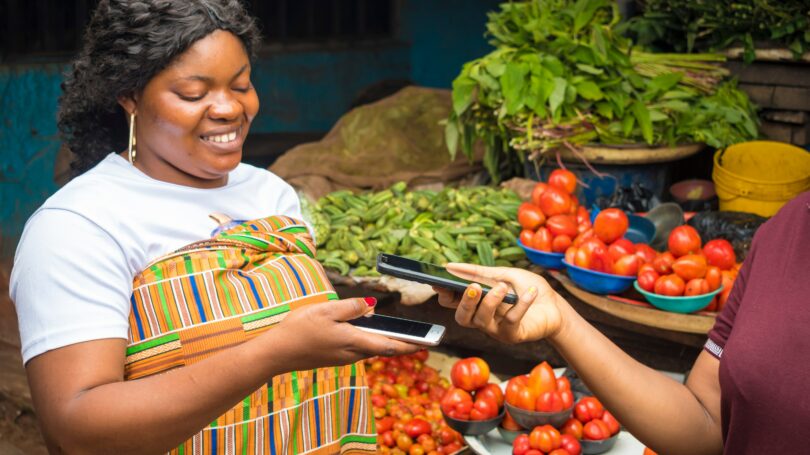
{"points": [[218, 293]]}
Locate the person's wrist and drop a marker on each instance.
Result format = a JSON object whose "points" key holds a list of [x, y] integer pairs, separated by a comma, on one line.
{"points": [[567, 317]]}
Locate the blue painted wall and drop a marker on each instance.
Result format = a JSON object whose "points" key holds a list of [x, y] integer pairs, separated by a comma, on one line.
{"points": [[300, 91]]}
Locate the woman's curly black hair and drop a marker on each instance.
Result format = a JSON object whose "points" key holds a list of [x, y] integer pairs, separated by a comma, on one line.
{"points": [[126, 43]]}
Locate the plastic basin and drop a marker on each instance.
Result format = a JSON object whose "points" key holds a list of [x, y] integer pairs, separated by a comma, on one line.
{"points": [[474, 427], [678, 304], [531, 419], [542, 258], [598, 282]]}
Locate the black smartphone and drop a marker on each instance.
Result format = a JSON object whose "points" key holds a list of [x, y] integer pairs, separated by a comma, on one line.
{"points": [[425, 272], [416, 332]]}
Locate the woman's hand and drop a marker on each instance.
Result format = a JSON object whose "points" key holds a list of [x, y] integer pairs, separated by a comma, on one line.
{"points": [[536, 315], [317, 336]]}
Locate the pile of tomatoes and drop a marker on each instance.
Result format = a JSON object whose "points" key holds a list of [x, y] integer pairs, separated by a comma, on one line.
{"points": [[472, 396], [405, 394], [540, 390], [690, 268], [553, 218], [591, 421]]}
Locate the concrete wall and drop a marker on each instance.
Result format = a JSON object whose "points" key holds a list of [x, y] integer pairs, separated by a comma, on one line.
{"points": [[300, 91]]}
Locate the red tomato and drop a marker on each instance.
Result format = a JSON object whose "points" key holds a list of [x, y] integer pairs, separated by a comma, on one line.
{"points": [[570, 444], [696, 286], [560, 244], [563, 179], [671, 285], [663, 263], [610, 225], [646, 268], [545, 438], [621, 247], [509, 423], [567, 398], [720, 253], [645, 252], [416, 427], [549, 402], [513, 387], [570, 253], [385, 424], [713, 277], [388, 439], [404, 442], [683, 240], [526, 236], [562, 225], [584, 237], [530, 216], [690, 266], [612, 423], [521, 445], [492, 391], [555, 201], [582, 258], [563, 383], [484, 408], [453, 447], [596, 430], [456, 399], [572, 427], [538, 190], [601, 261], [470, 373], [428, 442], [583, 217], [647, 279], [524, 399], [627, 265], [588, 408], [542, 240], [542, 379]]}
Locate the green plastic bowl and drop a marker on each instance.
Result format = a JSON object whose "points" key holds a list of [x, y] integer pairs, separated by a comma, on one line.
{"points": [[678, 304]]}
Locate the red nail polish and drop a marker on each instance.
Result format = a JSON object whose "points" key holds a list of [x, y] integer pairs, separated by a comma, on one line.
{"points": [[370, 301]]}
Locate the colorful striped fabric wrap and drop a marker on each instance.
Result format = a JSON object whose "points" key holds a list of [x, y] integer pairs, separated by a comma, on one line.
{"points": [[218, 293]]}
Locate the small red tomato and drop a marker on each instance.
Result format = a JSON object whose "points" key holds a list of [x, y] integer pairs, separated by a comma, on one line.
{"points": [[545, 438], [567, 398], [563, 179], [491, 391], [416, 427], [549, 402], [509, 423], [570, 253], [683, 240], [647, 279], [610, 225], [720, 253], [521, 445], [596, 430], [562, 225], [570, 444], [470, 374], [583, 217], [563, 383], [697, 286], [572, 427], [530, 216], [588, 408], [484, 408], [627, 265], [612, 423], [455, 398], [645, 252], [713, 277], [555, 201], [526, 236], [663, 263], [537, 191], [621, 247], [560, 243], [542, 240], [690, 266], [671, 285]]}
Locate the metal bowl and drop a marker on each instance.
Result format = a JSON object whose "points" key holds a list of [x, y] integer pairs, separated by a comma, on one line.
{"points": [[665, 217]]}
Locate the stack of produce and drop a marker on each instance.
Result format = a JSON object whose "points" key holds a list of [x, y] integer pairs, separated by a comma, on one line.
{"points": [[561, 76], [591, 421], [466, 224], [405, 394], [690, 268], [472, 396]]}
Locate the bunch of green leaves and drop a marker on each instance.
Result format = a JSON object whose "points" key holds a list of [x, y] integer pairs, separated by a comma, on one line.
{"points": [[561, 76], [714, 25]]}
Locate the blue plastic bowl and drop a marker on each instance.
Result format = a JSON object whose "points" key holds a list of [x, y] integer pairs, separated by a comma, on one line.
{"points": [[678, 304], [542, 258], [598, 282]]}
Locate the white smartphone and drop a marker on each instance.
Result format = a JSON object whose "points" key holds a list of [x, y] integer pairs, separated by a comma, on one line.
{"points": [[407, 330]]}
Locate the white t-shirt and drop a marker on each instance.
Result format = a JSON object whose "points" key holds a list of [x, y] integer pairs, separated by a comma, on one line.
{"points": [[79, 252]]}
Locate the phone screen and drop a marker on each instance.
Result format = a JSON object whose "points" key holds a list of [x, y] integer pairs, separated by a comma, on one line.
{"points": [[391, 324], [422, 267]]}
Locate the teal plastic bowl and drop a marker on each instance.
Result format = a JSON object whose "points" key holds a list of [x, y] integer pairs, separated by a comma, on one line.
{"points": [[678, 304]]}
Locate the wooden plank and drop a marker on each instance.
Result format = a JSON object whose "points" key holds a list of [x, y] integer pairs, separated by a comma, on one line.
{"points": [[770, 73], [778, 97]]}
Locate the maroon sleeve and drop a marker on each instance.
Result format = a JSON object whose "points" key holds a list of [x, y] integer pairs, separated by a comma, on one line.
{"points": [[724, 323]]}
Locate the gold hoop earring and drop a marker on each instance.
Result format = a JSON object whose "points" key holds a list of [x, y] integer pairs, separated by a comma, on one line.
{"points": [[132, 151]]}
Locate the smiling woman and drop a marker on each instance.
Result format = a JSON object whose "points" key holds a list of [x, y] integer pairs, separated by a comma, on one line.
{"points": [[145, 327]]}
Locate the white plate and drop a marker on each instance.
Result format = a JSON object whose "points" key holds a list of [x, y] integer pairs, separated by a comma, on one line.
{"points": [[493, 444]]}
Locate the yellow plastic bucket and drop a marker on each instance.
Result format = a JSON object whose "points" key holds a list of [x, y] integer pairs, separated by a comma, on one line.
{"points": [[760, 176]]}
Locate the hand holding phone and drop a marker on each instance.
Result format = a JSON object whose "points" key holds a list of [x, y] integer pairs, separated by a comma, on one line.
{"points": [[424, 272]]}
